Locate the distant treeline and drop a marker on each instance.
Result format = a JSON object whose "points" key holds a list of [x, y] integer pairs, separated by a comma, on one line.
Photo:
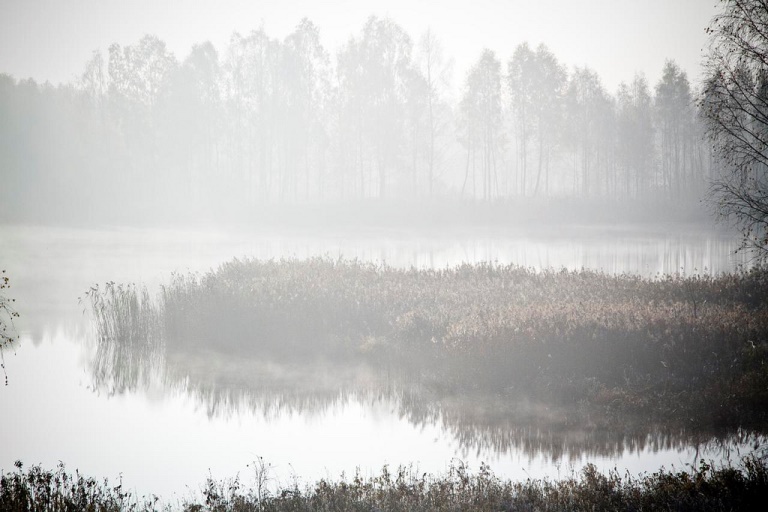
{"points": [[145, 135]]}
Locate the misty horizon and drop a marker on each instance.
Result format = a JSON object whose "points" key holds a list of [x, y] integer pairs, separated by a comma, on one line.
{"points": [[265, 121], [631, 37], [495, 255]]}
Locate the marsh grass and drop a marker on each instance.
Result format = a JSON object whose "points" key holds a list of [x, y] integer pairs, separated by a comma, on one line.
{"points": [[123, 313], [56, 490], [129, 329], [741, 487], [692, 349]]}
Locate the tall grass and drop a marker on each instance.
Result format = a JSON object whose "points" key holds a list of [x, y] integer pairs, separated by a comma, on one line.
{"points": [[38, 489], [705, 487], [130, 335], [669, 348]]}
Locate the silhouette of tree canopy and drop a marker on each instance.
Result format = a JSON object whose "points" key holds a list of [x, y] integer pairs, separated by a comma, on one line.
{"points": [[481, 108], [536, 83], [375, 73], [221, 133], [635, 135], [735, 108], [675, 121]]}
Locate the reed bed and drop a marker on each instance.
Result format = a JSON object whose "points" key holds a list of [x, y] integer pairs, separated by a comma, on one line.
{"points": [[129, 329], [741, 487], [57, 490], [683, 348]]}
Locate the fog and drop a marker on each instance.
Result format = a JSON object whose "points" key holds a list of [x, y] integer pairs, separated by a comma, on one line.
{"points": [[50, 41], [222, 133], [348, 236]]}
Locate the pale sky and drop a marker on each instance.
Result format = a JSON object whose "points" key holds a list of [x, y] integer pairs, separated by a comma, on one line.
{"points": [[52, 39]]}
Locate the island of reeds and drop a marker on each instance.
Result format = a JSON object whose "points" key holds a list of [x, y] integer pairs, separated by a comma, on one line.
{"points": [[688, 351], [617, 353]]}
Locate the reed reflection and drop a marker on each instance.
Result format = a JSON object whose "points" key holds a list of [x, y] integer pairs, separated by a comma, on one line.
{"points": [[501, 357], [227, 386]]}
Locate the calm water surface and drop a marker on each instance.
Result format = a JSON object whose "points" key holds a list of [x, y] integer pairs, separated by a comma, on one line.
{"points": [[167, 439]]}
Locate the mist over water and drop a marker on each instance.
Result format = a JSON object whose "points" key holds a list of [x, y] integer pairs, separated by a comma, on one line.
{"points": [[359, 240], [188, 411], [379, 130]]}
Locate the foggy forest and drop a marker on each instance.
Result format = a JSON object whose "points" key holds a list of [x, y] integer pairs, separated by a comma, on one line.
{"points": [[218, 132], [352, 269]]}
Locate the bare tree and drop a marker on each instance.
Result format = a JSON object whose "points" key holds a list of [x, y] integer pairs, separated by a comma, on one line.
{"points": [[373, 72], [734, 105], [675, 122], [437, 73], [188, 124], [536, 84], [481, 120], [138, 78], [520, 78], [7, 314], [588, 113], [635, 136], [306, 80], [254, 99]]}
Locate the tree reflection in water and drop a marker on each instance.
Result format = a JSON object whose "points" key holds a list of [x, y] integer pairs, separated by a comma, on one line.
{"points": [[228, 385]]}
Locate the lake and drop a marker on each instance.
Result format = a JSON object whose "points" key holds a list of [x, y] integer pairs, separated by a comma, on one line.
{"points": [[165, 435]]}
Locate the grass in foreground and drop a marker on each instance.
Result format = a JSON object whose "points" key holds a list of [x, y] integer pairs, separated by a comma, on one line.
{"points": [[704, 488], [686, 349]]}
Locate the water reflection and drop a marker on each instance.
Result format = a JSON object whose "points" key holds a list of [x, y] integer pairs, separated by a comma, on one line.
{"points": [[50, 267], [481, 425]]}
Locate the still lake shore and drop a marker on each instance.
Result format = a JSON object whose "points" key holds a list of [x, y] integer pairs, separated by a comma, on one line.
{"points": [[687, 350]]}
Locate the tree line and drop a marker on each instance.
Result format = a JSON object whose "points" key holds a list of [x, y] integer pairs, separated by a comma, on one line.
{"points": [[142, 133]]}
